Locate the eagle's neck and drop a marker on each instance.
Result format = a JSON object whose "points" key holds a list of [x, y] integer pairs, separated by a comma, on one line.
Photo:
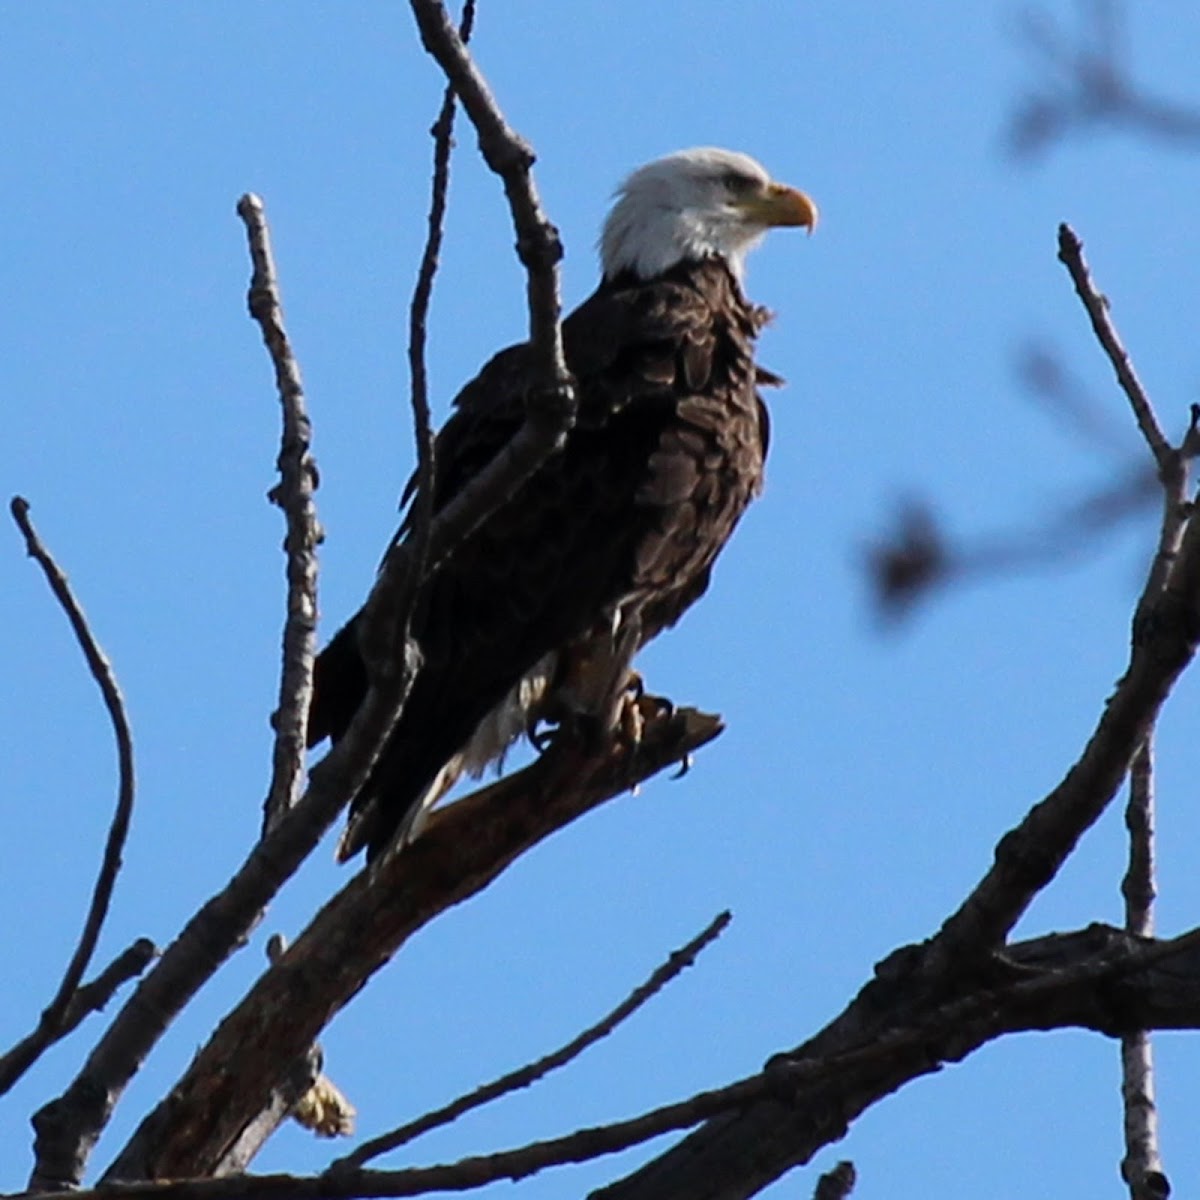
{"points": [[648, 242]]}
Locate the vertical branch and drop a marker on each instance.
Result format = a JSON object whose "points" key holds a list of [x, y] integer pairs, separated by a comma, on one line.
{"points": [[415, 565], [1141, 1167], [294, 495]]}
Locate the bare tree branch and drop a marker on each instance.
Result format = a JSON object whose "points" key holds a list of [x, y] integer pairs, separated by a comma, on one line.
{"points": [[919, 556], [1097, 978], [53, 1022], [295, 1084], [392, 602], [1141, 1167], [461, 850], [294, 495], [532, 1072], [443, 140], [896, 1031], [908, 563], [1070, 254], [67, 1127], [93, 996], [1166, 630], [1137, 887]]}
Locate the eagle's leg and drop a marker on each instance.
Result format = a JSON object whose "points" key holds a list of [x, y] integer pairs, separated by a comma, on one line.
{"points": [[597, 685]]}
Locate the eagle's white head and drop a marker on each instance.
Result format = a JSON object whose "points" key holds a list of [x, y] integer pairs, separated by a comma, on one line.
{"points": [[696, 204]]}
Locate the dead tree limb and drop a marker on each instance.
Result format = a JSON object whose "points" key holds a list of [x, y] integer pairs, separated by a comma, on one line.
{"points": [[1097, 978], [53, 1022], [294, 495]]}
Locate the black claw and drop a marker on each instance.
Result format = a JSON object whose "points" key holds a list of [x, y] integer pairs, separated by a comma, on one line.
{"points": [[540, 739], [685, 765]]}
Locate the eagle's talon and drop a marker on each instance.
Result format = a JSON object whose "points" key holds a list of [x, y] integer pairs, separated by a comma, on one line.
{"points": [[541, 738], [685, 765]]}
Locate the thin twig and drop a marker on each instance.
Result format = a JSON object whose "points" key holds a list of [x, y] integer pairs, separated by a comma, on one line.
{"points": [[88, 998], [94, 995], [378, 639], [294, 495], [532, 1072], [1070, 253], [18, 1060], [442, 133], [1137, 888], [1141, 1167]]}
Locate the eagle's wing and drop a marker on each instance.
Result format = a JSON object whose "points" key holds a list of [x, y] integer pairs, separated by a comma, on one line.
{"points": [[622, 524]]}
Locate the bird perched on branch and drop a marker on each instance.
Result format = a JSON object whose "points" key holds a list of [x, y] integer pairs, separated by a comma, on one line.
{"points": [[537, 614]]}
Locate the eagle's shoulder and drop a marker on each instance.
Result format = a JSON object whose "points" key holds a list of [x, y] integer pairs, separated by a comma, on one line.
{"points": [[631, 340]]}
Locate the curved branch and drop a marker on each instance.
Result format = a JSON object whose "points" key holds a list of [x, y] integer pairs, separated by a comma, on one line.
{"points": [[53, 1021]]}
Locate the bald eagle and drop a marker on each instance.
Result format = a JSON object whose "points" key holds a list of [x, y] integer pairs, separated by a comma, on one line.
{"points": [[536, 616]]}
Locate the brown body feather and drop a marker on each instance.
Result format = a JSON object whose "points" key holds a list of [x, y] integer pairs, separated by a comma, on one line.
{"points": [[617, 532]]}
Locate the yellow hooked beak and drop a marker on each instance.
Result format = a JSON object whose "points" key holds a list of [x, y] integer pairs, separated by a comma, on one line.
{"points": [[781, 205]]}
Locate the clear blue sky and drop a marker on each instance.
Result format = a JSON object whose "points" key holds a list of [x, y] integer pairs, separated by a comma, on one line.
{"points": [[863, 779]]}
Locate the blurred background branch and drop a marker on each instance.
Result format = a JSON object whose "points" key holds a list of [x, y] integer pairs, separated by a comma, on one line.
{"points": [[1083, 80]]}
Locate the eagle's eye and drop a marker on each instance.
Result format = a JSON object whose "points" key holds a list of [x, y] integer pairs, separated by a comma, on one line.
{"points": [[738, 184]]}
